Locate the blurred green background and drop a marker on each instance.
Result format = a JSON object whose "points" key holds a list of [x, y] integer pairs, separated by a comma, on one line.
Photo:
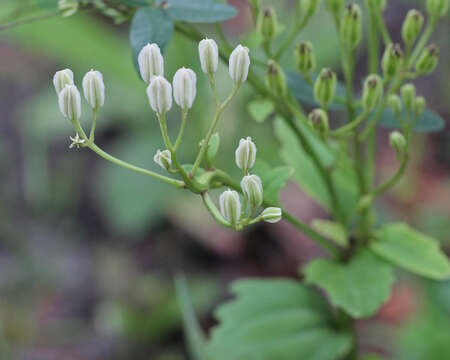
{"points": [[88, 250]]}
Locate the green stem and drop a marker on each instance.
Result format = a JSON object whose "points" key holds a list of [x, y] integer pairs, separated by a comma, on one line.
{"points": [[28, 20], [212, 208], [291, 37], [212, 84], [94, 124], [342, 131], [378, 18], [394, 180], [422, 41], [181, 132]]}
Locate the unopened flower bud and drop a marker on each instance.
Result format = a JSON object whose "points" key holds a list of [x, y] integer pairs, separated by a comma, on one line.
{"points": [[239, 64], [373, 91], [419, 106], [437, 8], [335, 6], [408, 93], [428, 60], [275, 79], [160, 95], [62, 78], [398, 142], [230, 206], [267, 24], [94, 89], [151, 62], [395, 104], [209, 55], [411, 27], [163, 159], [325, 87], [378, 5], [351, 25], [309, 7], [69, 100], [272, 214], [392, 60], [68, 7], [318, 119], [306, 61], [246, 154], [184, 87], [253, 190]]}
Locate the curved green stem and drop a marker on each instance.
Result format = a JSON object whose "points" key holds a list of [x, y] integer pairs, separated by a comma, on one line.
{"points": [[422, 41], [344, 130], [212, 208], [394, 180]]}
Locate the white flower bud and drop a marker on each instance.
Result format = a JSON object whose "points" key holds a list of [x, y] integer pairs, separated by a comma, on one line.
{"points": [[163, 159], [151, 62], [209, 55], [160, 94], [94, 88], [62, 78], [246, 154], [184, 87], [272, 214], [253, 190], [69, 100], [239, 64], [230, 206]]}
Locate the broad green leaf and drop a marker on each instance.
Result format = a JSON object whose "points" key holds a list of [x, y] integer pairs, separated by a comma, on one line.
{"points": [[428, 122], [359, 287], [134, 2], [260, 109], [273, 179], [150, 25], [304, 92], [275, 319], [331, 230], [197, 11], [411, 250]]}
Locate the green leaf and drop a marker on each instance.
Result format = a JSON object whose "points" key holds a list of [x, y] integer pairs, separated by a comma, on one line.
{"points": [[303, 91], [332, 230], [260, 109], [197, 11], [275, 319], [411, 250], [359, 287], [428, 122], [134, 2], [149, 25], [273, 179]]}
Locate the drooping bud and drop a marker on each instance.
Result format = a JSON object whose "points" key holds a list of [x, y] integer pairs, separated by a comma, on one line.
{"points": [[230, 206], [159, 94], [411, 27], [325, 87], [398, 142], [275, 79], [209, 55], [94, 89], [245, 154], [377, 5], [335, 6], [163, 159], [437, 8], [373, 92], [318, 119], [419, 106], [392, 60], [351, 26], [309, 7], [253, 190], [239, 64], [68, 7], [408, 93], [272, 215], [69, 100], [306, 61], [395, 104], [62, 78], [151, 62], [267, 24], [428, 60], [184, 87]]}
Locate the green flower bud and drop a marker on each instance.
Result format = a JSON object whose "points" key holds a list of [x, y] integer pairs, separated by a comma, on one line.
{"points": [[230, 206], [392, 60], [335, 6], [419, 106], [378, 5], [398, 142], [275, 79], [373, 91], [318, 119], [437, 8], [306, 61], [245, 154], [309, 7], [411, 27], [395, 103], [272, 215], [351, 25], [253, 190], [163, 159], [325, 87], [428, 60], [408, 93], [267, 24]]}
